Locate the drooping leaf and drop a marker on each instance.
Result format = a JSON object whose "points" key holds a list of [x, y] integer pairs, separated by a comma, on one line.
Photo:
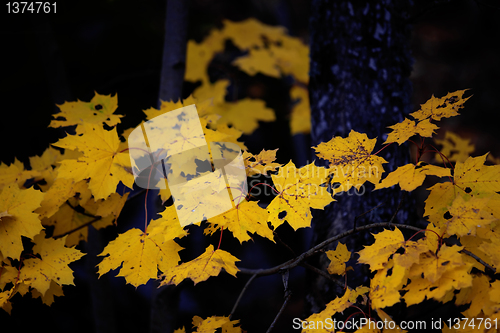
{"points": [[411, 176], [201, 268], [351, 160], [338, 258]]}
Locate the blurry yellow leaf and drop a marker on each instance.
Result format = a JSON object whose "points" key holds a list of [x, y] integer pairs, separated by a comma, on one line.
{"points": [[244, 114], [250, 32], [455, 148], [300, 118], [15, 173], [258, 61]]}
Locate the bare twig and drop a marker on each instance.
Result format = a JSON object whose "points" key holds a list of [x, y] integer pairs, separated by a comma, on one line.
{"points": [[96, 218], [241, 294], [485, 264], [296, 261], [288, 296], [76, 210]]}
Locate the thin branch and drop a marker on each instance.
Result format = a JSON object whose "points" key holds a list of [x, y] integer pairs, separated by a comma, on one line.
{"points": [[241, 294], [288, 296], [467, 252], [324, 274], [78, 211], [96, 218], [296, 261], [398, 208]]}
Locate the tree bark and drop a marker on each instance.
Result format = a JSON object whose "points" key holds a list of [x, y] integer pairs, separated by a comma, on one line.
{"points": [[359, 79], [165, 300]]}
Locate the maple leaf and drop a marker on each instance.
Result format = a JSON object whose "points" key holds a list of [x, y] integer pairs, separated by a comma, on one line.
{"points": [[140, 254], [385, 285], [168, 225], [98, 111], [411, 176], [54, 290], [435, 275], [245, 218], [465, 216], [18, 218], [102, 162], [52, 264], [444, 107], [455, 148], [408, 128], [471, 178], [292, 57], [299, 191], [15, 173], [211, 324], [249, 33], [351, 161], [339, 304], [300, 118], [386, 244], [201, 268], [258, 61], [338, 258], [244, 114], [261, 163], [199, 56]]}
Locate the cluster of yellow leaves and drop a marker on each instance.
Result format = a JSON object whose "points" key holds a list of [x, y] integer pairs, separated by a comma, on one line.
{"points": [[271, 52], [211, 324]]}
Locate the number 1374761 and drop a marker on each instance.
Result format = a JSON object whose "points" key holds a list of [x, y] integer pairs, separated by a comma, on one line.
{"points": [[33, 7]]}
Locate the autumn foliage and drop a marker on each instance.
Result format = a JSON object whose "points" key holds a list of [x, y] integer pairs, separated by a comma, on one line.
{"points": [[74, 185]]}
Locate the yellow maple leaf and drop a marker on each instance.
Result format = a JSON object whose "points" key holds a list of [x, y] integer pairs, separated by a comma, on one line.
{"points": [[18, 218], [444, 107], [292, 57], [338, 258], [386, 244], [261, 163], [313, 322], [471, 178], [54, 290], [351, 160], [52, 264], [466, 217], [140, 254], [299, 191], [411, 176], [102, 162], [215, 92], [249, 33], [455, 148], [199, 56], [244, 114], [435, 275], [211, 324], [258, 61], [385, 285], [168, 225], [15, 173], [201, 268], [492, 251], [246, 218], [401, 132], [300, 118], [98, 111]]}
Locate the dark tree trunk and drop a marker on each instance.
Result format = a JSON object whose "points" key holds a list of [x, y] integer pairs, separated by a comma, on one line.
{"points": [[165, 300], [359, 79]]}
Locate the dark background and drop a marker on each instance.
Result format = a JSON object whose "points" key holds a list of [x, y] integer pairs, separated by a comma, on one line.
{"points": [[115, 47]]}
